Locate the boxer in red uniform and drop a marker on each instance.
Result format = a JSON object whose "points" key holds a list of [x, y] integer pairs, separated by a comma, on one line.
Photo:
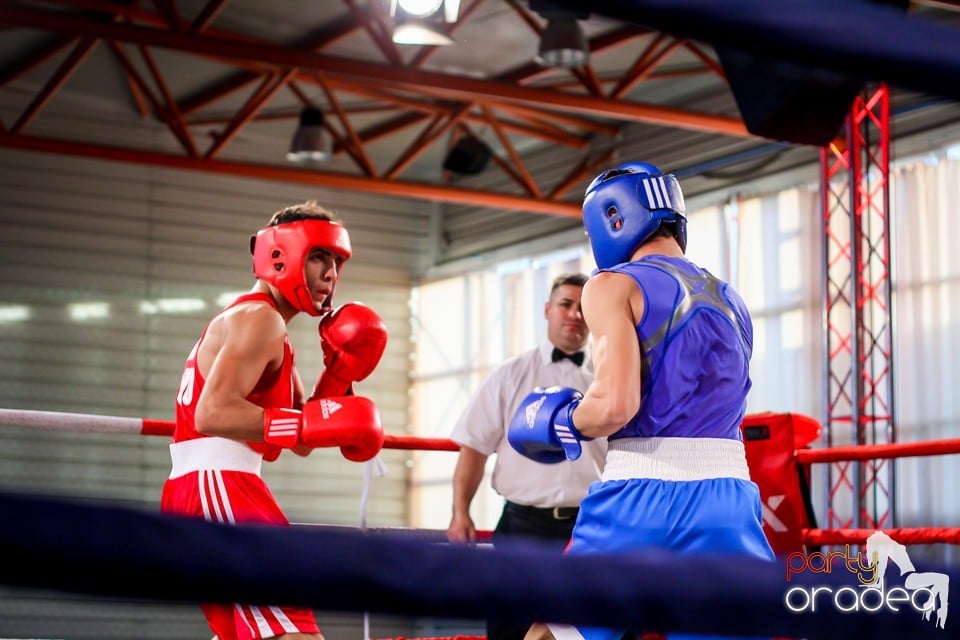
{"points": [[241, 400]]}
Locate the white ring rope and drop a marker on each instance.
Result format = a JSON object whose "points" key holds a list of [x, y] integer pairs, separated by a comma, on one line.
{"points": [[59, 421]]}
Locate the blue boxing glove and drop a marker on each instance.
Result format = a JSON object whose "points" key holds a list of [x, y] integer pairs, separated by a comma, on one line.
{"points": [[542, 429]]}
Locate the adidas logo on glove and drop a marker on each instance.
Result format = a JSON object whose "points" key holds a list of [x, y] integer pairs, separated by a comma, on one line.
{"points": [[531, 412], [329, 407]]}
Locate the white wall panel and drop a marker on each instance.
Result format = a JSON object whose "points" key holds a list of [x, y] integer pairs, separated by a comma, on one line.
{"points": [[78, 231]]}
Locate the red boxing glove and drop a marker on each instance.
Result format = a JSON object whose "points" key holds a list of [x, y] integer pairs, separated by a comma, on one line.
{"points": [[349, 422], [353, 338]]}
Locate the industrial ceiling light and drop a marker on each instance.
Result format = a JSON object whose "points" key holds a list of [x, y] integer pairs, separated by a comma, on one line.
{"points": [[468, 157], [422, 34], [422, 22], [562, 43], [420, 8], [311, 141]]}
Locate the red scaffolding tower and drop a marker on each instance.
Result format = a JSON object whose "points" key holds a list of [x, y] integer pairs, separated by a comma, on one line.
{"points": [[855, 171]]}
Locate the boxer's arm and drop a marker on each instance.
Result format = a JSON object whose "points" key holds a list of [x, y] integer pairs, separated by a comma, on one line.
{"points": [[299, 392], [248, 341], [612, 305], [299, 397]]}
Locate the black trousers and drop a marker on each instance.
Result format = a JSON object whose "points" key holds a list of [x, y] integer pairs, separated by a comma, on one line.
{"points": [[550, 527]]}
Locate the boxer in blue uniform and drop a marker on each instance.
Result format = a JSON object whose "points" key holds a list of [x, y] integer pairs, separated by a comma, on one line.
{"points": [[672, 346]]}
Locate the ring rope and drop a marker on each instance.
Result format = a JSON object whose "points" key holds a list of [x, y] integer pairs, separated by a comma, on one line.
{"points": [[123, 552], [873, 451], [91, 423], [424, 535], [58, 550], [61, 421], [918, 535]]}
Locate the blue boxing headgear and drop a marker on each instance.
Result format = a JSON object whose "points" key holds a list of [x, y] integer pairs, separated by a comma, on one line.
{"points": [[624, 206]]}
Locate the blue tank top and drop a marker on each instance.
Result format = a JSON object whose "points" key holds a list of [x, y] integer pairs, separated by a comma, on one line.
{"points": [[696, 339]]}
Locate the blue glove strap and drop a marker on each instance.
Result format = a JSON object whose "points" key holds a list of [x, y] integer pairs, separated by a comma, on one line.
{"points": [[567, 432]]}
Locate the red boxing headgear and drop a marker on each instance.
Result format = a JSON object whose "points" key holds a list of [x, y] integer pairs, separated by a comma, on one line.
{"points": [[280, 253]]}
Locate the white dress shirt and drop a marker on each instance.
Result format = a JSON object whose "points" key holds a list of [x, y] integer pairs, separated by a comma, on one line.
{"points": [[483, 426]]}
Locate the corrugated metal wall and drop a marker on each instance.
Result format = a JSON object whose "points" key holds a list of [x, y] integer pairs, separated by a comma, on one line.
{"points": [[91, 255]]}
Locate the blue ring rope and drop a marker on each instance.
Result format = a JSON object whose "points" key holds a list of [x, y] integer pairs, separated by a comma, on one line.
{"points": [[122, 552]]}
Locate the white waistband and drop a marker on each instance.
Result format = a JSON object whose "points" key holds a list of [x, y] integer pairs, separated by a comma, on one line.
{"points": [[675, 459], [213, 453]]}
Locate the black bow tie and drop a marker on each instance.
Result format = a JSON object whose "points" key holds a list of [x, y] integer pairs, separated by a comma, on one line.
{"points": [[575, 358]]}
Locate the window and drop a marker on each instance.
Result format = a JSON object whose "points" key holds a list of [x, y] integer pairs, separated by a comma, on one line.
{"points": [[468, 324], [463, 327], [769, 247]]}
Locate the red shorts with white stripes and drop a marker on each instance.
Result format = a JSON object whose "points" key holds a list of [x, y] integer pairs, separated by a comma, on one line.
{"points": [[231, 497]]}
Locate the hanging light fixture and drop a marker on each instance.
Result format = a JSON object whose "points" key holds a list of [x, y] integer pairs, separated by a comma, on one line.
{"points": [[311, 141], [421, 22], [562, 43], [468, 157]]}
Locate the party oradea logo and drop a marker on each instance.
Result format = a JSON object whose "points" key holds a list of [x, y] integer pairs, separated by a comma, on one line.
{"points": [[922, 592]]}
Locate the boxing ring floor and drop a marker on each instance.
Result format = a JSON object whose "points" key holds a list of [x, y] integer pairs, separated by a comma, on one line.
{"points": [[134, 556]]}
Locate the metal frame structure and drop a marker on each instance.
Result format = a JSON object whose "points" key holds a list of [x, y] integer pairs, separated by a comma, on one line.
{"points": [[855, 171], [367, 101], [215, 80]]}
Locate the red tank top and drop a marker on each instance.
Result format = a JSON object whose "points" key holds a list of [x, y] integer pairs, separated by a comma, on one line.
{"points": [[274, 389]]}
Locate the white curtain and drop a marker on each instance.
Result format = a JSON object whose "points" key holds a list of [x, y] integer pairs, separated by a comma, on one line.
{"points": [[464, 327], [769, 247], [926, 305]]}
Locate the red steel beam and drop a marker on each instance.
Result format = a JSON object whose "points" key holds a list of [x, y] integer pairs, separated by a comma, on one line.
{"points": [[427, 137], [63, 73], [528, 182], [206, 16], [355, 148], [553, 135], [439, 84], [297, 176], [35, 59], [532, 71], [249, 110]]}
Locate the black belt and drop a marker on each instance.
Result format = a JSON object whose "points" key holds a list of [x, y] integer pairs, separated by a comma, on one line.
{"points": [[554, 513]]}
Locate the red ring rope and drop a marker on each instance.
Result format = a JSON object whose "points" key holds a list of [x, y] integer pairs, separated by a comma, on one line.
{"points": [[59, 421], [920, 535], [871, 452]]}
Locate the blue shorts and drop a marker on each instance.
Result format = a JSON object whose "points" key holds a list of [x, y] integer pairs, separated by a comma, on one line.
{"points": [[715, 516]]}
